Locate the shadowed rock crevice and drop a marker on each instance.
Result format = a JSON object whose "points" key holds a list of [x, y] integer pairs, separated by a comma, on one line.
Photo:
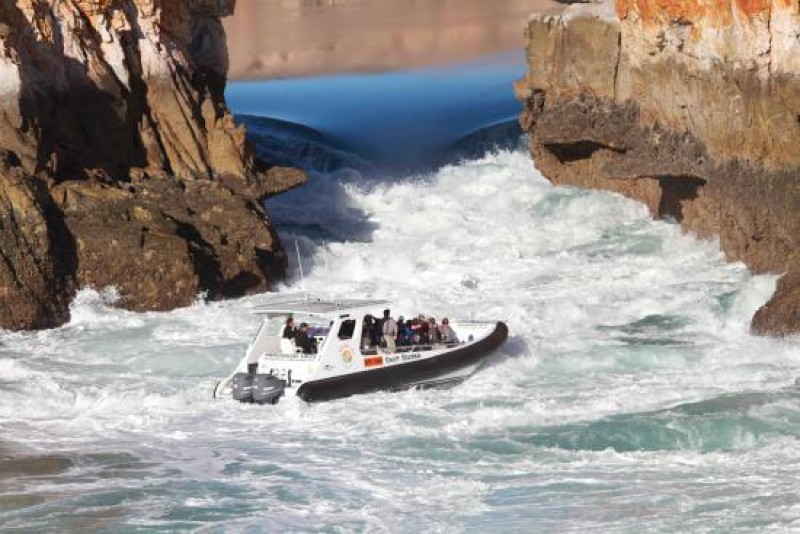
{"points": [[579, 150], [676, 192]]}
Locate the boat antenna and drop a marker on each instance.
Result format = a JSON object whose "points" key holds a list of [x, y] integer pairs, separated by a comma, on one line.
{"points": [[300, 265]]}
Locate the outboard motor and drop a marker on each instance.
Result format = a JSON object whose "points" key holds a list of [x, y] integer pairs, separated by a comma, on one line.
{"points": [[242, 386], [267, 389]]}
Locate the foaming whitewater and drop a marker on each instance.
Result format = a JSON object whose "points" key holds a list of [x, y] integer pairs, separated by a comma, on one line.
{"points": [[629, 396]]}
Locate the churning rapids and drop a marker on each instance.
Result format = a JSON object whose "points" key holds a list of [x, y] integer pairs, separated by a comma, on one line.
{"points": [[629, 397]]}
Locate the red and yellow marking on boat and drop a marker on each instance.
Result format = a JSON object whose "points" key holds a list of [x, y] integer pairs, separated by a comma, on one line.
{"points": [[373, 361]]}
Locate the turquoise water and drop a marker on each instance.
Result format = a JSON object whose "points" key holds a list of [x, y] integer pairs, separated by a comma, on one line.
{"points": [[630, 396]]}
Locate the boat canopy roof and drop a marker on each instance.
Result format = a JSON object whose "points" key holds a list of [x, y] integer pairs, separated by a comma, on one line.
{"points": [[317, 307]]}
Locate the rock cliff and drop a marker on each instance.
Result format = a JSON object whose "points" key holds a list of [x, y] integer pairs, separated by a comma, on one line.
{"points": [[120, 163], [691, 107]]}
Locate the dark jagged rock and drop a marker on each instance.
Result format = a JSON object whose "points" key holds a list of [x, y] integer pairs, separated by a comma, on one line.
{"points": [[38, 253], [122, 164], [188, 237], [690, 108]]}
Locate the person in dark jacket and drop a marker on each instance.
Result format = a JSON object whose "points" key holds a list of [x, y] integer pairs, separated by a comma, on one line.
{"points": [[366, 332], [404, 337], [289, 329], [304, 341]]}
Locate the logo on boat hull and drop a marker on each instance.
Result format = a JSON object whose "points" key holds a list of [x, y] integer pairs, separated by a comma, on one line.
{"points": [[346, 354]]}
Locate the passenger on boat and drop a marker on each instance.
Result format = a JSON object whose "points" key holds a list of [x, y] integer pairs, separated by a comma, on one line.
{"points": [[400, 323], [304, 341], [434, 336], [289, 330], [366, 332], [424, 335], [404, 334], [447, 333], [375, 332], [416, 331], [389, 330]]}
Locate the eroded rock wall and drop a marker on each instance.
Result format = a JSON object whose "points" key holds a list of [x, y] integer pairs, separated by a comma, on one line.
{"points": [[693, 108], [121, 163], [100, 87]]}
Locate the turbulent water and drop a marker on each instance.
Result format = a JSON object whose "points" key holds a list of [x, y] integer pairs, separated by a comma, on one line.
{"points": [[629, 397]]}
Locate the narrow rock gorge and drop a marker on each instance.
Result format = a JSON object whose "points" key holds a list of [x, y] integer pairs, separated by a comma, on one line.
{"points": [[120, 163], [691, 107]]}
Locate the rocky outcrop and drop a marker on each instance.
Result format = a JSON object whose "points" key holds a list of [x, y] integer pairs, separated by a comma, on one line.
{"points": [[121, 164], [691, 107]]}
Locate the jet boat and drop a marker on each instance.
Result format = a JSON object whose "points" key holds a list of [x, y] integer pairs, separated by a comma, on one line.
{"points": [[345, 364]]}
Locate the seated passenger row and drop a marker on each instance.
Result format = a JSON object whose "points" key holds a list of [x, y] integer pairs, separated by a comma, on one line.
{"points": [[390, 333]]}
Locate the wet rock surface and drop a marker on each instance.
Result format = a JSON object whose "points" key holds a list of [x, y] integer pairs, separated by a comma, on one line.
{"points": [[691, 110], [121, 163]]}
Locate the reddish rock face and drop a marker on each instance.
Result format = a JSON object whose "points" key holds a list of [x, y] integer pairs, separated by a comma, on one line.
{"points": [[718, 13], [690, 106], [101, 87], [122, 165]]}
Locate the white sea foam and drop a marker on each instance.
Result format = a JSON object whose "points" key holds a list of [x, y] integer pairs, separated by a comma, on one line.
{"points": [[625, 332]]}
